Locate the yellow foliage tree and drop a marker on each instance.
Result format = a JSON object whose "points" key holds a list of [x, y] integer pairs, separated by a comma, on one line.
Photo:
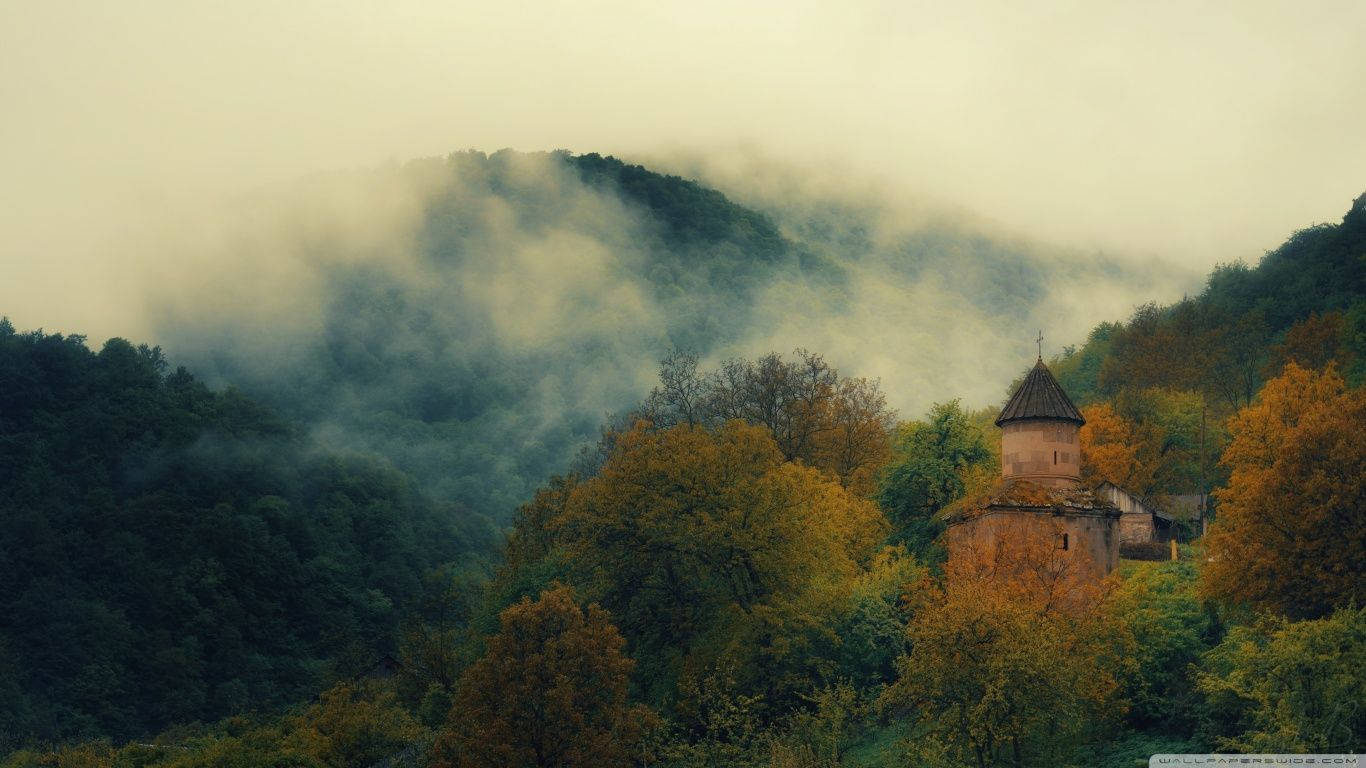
{"points": [[355, 724], [1012, 656], [1114, 449], [690, 534], [1292, 521], [858, 442]]}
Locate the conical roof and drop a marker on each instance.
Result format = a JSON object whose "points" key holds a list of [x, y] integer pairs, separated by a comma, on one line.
{"points": [[1039, 397]]}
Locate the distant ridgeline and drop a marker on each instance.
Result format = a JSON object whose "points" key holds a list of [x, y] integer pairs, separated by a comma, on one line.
{"points": [[548, 287], [172, 554], [536, 295], [1305, 301]]}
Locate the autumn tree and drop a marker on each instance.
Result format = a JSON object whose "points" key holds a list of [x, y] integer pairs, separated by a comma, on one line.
{"points": [[858, 443], [934, 462], [1112, 450], [791, 399], [550, 691], [1312, 343], [689, 532], [532, 536], [1292, 519], [355, 724], [1151, 441], [1011, 657]]}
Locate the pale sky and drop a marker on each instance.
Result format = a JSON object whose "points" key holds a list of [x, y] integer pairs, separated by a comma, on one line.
{"points": [[1194, 132]]}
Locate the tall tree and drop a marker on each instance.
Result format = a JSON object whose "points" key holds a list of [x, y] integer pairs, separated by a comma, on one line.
{"points": [[1011, 658], [933, 464], [688, 532], [839, 425], [550, 692], [1292, 519], [860, 441]]}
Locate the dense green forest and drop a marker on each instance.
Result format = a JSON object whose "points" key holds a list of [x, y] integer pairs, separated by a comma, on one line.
{"points": [[173, 554], [744, 566]]}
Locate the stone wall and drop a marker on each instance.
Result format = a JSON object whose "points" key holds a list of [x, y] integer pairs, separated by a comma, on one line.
{"points": [[1136, 527], [1046, 451], [1091, 543]]}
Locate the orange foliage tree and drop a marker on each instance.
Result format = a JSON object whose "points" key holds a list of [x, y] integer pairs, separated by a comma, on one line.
{"points": [[551, 690], [1114, 449], [1292, 521], [1013, 655]]}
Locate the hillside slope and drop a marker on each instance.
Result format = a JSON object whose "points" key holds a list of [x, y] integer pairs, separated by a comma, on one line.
{"points": [[481, 334], [172, 554]]}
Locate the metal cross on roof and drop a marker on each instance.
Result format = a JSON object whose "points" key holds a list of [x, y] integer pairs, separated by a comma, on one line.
{"points": [[1040, 341]]}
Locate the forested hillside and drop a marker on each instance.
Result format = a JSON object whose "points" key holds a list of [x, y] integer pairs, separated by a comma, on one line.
{"points": [[1165, 382], [532, 299], [707, 557], [171, 554]]}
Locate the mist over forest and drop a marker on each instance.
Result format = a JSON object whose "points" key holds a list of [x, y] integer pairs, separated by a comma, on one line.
{"points": [[620, 385], [384, 409], [476, 318]]}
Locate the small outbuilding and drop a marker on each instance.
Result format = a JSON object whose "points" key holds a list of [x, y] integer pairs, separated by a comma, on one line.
{"points": [[1139, 521]]}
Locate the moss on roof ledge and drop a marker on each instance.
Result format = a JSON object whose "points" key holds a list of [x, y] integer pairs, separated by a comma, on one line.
{"points": [[1030, 496]]}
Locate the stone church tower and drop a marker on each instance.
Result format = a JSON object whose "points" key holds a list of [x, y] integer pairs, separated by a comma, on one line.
{"points": [[1040, 433], [1040, 496]]}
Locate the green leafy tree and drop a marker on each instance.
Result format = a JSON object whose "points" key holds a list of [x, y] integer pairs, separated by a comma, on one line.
{"points": [[934, 463], [1282, 686], [1159, 605]]}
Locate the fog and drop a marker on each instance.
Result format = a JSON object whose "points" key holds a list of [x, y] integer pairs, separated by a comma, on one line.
{"points": [[474, 318], [1200, 132], [231, 182]]}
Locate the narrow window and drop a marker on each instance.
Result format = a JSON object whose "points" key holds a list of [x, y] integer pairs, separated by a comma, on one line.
{"points": [[1055, 458], [1064, 542]]}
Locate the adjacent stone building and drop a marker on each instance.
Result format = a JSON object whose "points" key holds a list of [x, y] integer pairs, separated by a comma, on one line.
{"points": [[1040, 497], [1139, 521]]}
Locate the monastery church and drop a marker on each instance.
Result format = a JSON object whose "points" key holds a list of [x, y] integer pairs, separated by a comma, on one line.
{"points": [[1040, 494]]}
